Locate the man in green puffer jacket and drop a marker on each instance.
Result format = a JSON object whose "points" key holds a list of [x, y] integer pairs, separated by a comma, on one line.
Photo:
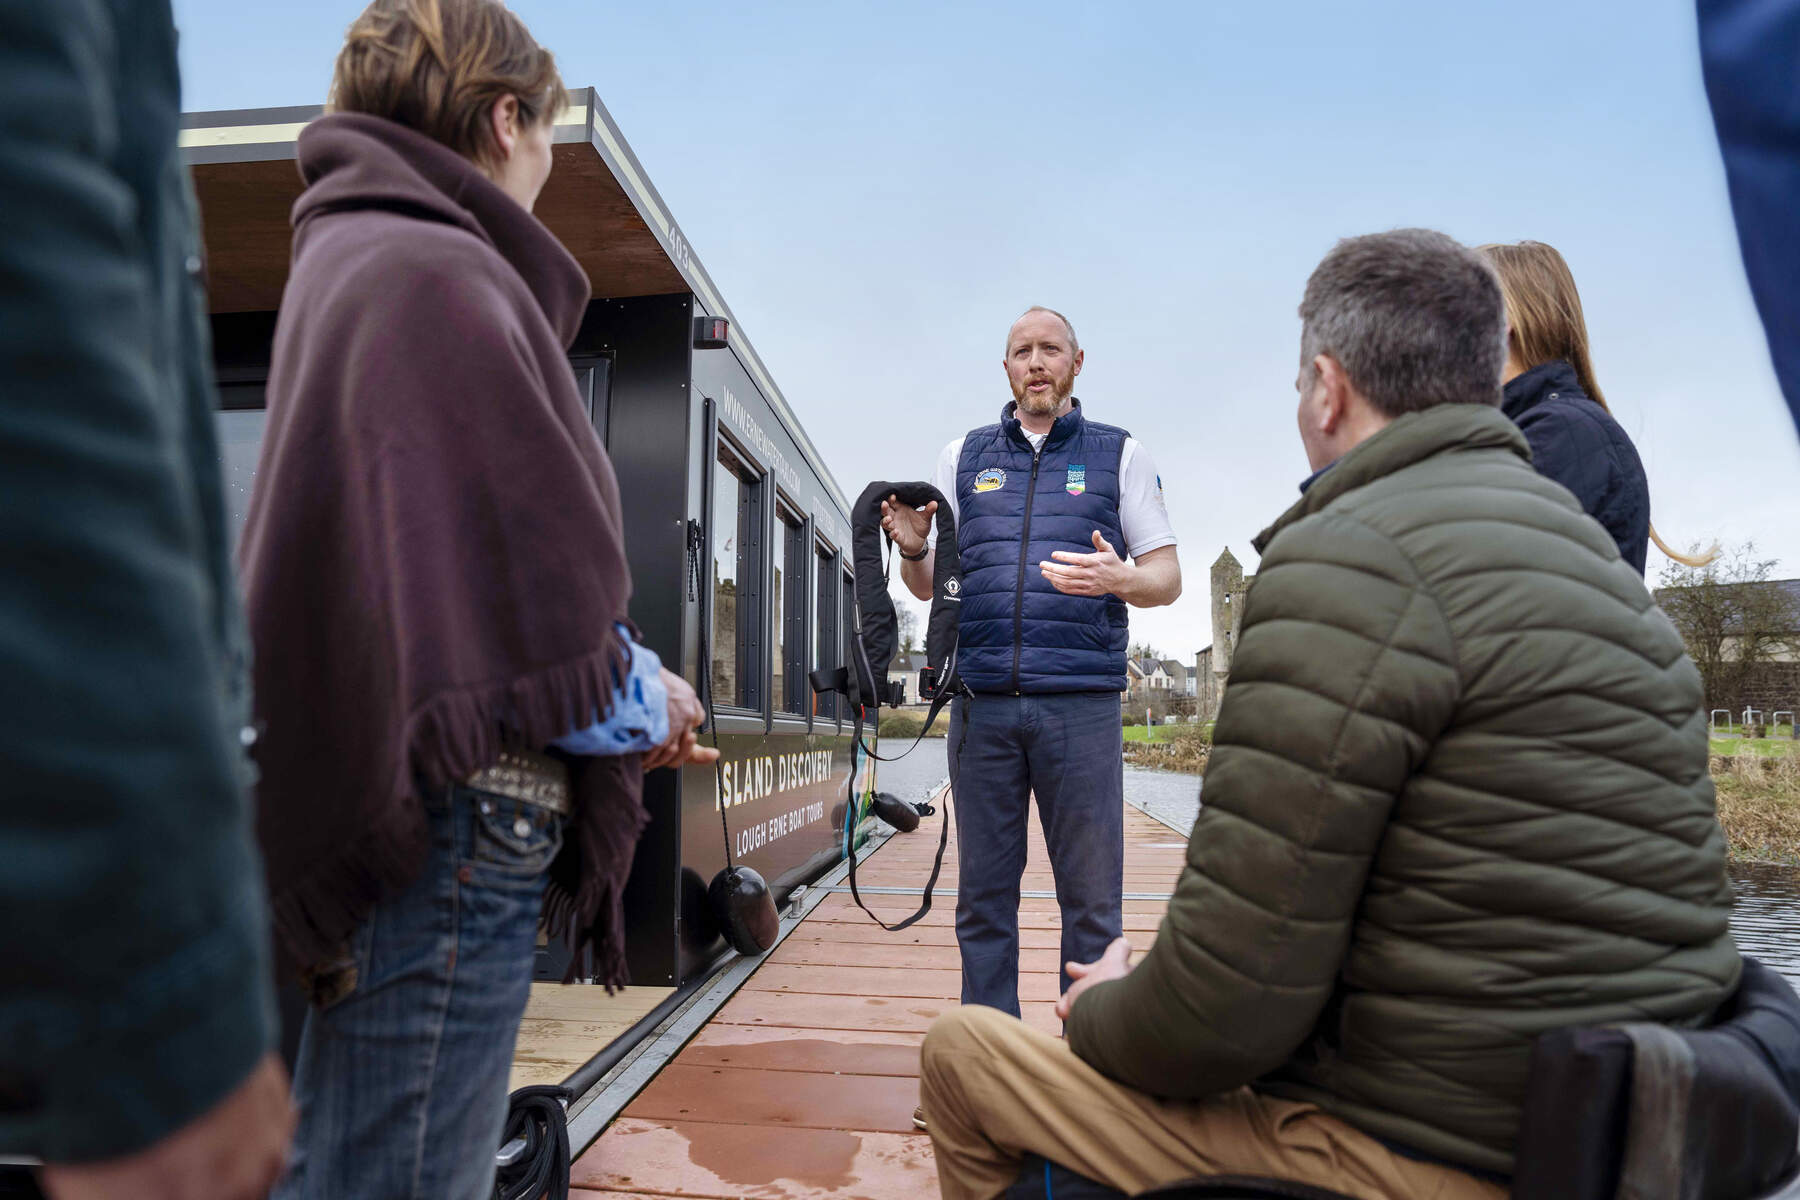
{"points": [[1458, 797]]}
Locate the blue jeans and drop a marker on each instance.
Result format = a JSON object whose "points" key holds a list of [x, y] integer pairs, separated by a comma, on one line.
{"points": [[1064, 748], [402, 1081]]}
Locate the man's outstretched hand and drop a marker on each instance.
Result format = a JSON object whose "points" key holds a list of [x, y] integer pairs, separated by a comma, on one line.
{"points": [[1102, 573], [236, 1151], [1114, 964], [907, 525]]}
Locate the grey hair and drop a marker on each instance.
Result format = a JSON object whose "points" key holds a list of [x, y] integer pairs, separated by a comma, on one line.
{"points": [[1074, 342], [1415, 318]]}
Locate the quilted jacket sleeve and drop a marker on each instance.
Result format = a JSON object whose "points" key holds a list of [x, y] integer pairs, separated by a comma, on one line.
{"points": [[1343, 677]]}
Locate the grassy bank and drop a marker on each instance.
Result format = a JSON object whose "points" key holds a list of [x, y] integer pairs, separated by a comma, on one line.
{"points": [[1169, 747], [908, 724], [1762, 747], [1759, 805], [1162, 733]]}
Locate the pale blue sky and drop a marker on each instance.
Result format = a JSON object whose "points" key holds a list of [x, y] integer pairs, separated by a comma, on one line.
{"points": [[879, 190]]}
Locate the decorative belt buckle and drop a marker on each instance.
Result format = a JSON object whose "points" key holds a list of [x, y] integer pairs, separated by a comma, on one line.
{"points": [[533, 779]]}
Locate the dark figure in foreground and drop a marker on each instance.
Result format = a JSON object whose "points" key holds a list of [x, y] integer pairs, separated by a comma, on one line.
{"points": [[1553, 397], [1458, 797], [1748, 50], [135, 1018]]}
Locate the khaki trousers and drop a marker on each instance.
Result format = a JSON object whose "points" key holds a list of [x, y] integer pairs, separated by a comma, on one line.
{"points": [[994, 1089]]}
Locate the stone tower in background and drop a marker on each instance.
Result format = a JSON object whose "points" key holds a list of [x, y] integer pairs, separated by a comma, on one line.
{"points": [[1228, 587], [1229, 583]]}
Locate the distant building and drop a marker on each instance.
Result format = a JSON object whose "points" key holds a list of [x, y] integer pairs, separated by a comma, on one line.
{"points": [[1212, 665], [1766, 613], [904, 670], [1147, 680]]}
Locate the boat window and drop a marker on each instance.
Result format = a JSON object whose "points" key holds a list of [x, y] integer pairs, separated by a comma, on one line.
{"points": [[735, 533], [240, 431], [593, 380], [789, 614], [824, 654], [847, 625]]}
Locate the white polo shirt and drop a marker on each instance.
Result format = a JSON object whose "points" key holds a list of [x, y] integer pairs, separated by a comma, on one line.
{"points": [[1143, 513]]}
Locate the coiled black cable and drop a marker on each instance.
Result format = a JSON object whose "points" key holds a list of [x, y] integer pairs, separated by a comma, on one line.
{"points": [[537, 1114]]}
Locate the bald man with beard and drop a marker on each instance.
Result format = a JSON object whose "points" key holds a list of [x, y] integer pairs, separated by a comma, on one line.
{"points": [[1061, 525]]}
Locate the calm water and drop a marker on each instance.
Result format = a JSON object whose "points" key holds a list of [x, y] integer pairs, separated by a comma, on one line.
{"points": [[1766, 920], [914, 776]]}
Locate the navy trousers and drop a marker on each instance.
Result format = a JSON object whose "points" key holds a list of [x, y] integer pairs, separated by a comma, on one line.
{"points": [[1064, 748]]}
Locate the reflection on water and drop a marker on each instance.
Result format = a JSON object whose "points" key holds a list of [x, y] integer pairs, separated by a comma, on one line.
{"points": [[915, 774], [1765, 921], [1170, 796]]}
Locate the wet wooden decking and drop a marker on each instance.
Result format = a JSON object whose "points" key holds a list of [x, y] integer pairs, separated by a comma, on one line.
{"points": [[804, 1084]]}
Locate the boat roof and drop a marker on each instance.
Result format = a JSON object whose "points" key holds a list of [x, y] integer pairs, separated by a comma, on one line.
{"points": [[599, 202]]}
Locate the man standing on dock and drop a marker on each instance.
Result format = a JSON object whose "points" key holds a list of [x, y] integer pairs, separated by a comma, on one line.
{"points": [[1042, 498]]}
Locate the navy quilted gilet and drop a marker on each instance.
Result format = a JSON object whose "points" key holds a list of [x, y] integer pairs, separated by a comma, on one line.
{"points": [[1018, 634]]}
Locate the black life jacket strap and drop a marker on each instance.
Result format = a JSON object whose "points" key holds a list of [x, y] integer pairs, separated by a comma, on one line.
{"points": [[937, 866], [873, 639]]}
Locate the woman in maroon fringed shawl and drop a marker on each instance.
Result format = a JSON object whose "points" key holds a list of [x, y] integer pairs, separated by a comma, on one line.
{"points": [[437, 588]]}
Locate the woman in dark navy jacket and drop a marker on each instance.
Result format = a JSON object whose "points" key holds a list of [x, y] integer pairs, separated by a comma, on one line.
{"points": [[1552, 396]]}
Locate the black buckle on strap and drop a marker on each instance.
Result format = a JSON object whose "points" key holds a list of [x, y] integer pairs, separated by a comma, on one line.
{"points": [[928, 683]]}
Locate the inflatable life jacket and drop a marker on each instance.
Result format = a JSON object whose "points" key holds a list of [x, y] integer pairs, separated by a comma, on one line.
{"points": [[874, 637], [875, 633]]}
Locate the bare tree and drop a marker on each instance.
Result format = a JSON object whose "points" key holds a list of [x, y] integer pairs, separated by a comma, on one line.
{"points": [[1144, 650], [1732, 616], [908, 627]]}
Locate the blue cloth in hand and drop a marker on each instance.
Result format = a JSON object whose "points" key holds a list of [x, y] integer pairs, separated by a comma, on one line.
{"points": [[640, 713]]}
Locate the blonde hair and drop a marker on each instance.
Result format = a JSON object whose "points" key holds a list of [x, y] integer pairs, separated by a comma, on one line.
{"points": [[1545, 323], [438, 67]]}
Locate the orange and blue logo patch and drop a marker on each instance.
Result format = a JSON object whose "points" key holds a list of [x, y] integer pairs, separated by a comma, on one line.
{"points": [[990, 480], [1077, 480]]}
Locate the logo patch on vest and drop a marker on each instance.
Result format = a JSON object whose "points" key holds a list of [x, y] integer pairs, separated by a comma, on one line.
{"points": [[1077, 480], [990, 480]]}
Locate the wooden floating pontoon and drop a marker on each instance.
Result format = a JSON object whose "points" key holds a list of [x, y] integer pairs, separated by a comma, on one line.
{"points": [[803, 1084]]}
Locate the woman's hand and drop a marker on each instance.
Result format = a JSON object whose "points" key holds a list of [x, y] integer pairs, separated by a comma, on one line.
{"points": [[685, 718]]}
